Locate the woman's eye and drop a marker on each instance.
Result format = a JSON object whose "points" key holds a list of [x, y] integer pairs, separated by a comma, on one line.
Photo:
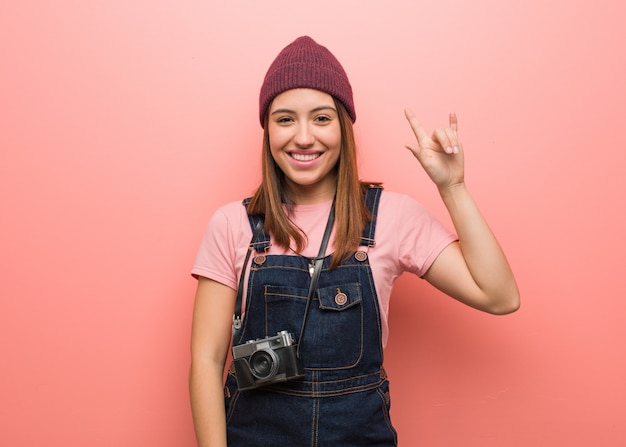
{"points": [[283, 120], [323, 118]]}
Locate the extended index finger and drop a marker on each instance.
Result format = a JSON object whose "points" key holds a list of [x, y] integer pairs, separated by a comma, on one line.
{"points": [[418, 130]]}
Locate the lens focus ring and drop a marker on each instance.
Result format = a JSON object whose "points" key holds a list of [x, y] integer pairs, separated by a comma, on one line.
{"points": [[263, 364]]}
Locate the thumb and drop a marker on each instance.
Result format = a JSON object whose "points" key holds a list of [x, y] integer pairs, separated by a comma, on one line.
{"points": [[415, 148]]}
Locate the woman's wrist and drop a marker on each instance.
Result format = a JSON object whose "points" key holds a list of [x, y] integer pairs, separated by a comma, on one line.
{"points": [[450, 192]]}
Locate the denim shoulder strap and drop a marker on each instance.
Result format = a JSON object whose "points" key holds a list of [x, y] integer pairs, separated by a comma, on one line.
{"points": [[372, 198], [263, 241]]}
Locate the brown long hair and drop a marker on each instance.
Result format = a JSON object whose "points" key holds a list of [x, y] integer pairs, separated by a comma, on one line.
{"points": [[351, 214]]}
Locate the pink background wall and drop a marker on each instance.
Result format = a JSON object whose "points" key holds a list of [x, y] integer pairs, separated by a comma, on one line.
{"points": [[125, 123]]}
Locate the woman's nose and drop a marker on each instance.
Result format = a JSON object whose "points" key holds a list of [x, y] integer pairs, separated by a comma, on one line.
{"points": [[304, 136]]}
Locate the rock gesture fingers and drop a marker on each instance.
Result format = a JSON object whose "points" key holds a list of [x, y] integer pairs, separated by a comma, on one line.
{"points": [[441, 155]]}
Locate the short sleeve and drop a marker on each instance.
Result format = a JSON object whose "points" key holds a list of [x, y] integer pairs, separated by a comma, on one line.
{"points": [[216, 258], [420, 236]]}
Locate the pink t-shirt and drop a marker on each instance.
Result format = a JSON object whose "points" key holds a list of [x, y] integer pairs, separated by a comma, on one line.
{"points": [[408, 239]]}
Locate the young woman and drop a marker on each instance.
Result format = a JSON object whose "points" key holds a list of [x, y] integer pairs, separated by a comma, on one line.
{"points": [[308, 367]]}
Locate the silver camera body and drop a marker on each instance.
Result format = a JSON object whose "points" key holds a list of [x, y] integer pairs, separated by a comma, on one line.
{"points": [[267, 360]]}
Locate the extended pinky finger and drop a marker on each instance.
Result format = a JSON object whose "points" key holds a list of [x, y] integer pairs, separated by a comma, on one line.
{"points": [[454, 122]]}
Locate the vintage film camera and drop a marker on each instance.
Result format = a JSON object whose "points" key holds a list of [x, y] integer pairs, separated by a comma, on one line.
{"points": [[265, 361]]}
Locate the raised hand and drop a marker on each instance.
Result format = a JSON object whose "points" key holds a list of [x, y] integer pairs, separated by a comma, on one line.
{"points": [[441, 155]]}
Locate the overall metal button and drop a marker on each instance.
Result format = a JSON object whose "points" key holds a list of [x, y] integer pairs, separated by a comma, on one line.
{"points": [[360, 256], [341, 298], [260, 260]]}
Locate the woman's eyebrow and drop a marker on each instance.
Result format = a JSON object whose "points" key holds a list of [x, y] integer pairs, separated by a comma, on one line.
{"points": [[320, 108], [282, 111]]}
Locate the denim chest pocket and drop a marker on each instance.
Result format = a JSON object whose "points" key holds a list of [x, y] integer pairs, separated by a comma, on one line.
{"points": [[333, 337], [340, 298]]}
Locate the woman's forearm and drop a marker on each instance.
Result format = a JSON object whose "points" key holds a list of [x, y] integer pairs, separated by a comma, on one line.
{"points": [[207, 403], [482, 253]]}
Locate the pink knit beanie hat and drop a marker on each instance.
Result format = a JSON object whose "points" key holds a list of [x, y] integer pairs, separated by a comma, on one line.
{"points": [[306, 64]]}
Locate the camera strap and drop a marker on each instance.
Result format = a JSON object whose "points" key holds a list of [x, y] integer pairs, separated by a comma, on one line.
{"points": [[237, 315], [317, 269]]}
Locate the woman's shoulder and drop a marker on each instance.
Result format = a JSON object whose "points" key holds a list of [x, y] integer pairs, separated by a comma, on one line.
{"points": [[234, 208], [230, 217], [399, 201]]}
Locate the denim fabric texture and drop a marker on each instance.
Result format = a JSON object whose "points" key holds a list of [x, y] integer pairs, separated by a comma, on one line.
{"points": [[343, 400]]}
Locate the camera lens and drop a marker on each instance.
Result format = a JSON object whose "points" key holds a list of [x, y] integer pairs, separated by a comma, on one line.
{"points": [[263, 364]]}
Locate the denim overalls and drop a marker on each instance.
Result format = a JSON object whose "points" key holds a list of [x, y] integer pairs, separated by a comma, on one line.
{"points": [[344, 398]]}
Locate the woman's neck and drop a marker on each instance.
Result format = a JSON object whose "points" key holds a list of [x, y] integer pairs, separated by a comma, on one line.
{"points": [[312, 194]]}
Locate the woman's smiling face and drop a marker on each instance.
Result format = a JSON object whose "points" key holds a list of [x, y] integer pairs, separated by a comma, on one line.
{"points": [[305, 141]]}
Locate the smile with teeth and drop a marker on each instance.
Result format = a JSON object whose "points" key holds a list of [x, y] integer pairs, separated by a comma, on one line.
{"points": [[305, 157]]}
